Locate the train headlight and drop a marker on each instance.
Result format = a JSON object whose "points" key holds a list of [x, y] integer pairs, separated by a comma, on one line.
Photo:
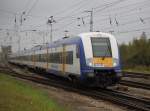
{"points": [[115, 62], [89, 62]]}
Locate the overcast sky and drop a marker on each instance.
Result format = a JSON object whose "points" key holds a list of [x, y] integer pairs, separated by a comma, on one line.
{"points": [[127, 19]]}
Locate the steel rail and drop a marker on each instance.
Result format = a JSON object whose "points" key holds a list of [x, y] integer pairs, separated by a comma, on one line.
{"points": [[135, 74], [109, 95], [135, 84]]}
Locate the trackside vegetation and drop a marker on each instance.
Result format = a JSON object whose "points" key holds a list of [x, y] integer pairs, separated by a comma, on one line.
{"points": [[135, 56], [16, 95]]}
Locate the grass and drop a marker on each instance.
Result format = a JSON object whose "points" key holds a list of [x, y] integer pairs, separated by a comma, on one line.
{"points": [[16, 95]]}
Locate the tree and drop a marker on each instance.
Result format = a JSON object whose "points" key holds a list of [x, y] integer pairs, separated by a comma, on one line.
{"points": [[136, 53]]}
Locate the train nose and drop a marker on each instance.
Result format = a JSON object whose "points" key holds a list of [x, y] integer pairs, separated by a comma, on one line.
{"points": [[106, 77]]}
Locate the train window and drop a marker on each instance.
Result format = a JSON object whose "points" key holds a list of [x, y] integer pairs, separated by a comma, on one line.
{"points": [[35, 58], [60, 58], [57, 57], [38, 58], [27, 58], [50, 57], [101, 47], [30, 57], [44, 58], [23, 57], [77, 51], [69, 57], [54, 57]]}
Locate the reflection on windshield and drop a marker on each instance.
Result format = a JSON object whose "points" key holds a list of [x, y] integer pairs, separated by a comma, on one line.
{"points": [[101, 47]]}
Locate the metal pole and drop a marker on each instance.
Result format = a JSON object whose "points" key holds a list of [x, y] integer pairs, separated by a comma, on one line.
{"points": [[43, 38], [19, 43], [50, 22], [51, 34], [18, 30], [91, 21]]}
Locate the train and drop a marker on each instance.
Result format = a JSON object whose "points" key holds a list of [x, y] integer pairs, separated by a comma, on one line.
{"points": [[90, 58]]}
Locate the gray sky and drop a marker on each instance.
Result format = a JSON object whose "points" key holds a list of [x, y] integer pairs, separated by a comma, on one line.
{"points": [[127, 19]]}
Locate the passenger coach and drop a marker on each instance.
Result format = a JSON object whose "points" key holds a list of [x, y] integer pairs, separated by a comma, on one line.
{"points": [[90, 58]]}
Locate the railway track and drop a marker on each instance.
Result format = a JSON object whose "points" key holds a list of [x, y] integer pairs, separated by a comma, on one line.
{"points": [[125, 100], [135, 84], [116, 97], [136, 75]]}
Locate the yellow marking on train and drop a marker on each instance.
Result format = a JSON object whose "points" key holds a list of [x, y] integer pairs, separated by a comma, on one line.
{"points": [[107, 61]]}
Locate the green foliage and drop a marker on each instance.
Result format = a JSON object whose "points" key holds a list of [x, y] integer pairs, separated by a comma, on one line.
{"points": [[136, 53]]}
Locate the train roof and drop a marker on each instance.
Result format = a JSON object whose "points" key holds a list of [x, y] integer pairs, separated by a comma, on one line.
{"points": [[67, 40], [97, 34], [75, 39]]}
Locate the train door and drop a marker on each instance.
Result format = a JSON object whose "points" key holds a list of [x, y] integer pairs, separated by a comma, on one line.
{"points": [[72, 59]]}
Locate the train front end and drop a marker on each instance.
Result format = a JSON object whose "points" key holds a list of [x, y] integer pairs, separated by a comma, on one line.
{"points": [[102, 63]]}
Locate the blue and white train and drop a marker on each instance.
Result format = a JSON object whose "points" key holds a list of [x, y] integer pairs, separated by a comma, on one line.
{"points": [[90, 58]]}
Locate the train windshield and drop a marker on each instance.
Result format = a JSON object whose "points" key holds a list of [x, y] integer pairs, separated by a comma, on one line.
{"points": [[101, 47]]}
